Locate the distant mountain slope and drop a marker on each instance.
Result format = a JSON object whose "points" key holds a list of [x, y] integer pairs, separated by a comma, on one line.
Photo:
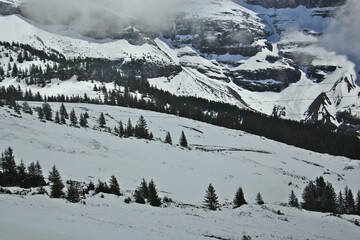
{"points": [[228, 51]]}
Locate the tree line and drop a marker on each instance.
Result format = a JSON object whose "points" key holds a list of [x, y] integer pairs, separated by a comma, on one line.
{"points": [[317, 195], [309, 136]]}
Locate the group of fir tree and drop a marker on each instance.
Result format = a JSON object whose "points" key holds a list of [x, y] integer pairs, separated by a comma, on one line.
{"points": [[320, 196], [12, 174], [147, 193]]}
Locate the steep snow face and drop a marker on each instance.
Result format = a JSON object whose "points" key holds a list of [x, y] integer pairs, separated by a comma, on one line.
{"points": [[226, 158]]}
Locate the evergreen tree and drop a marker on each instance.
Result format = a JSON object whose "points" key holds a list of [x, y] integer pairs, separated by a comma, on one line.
{"points": [[15, 70], [141, 129], [183, 140], [154, 199], [35, 175], [102, 187], [121, 129], [83, 121], [239, 198], [47, 111], [349, 201], [211, 199], [293, 201], [62, 119], [86, 115], [114, 186], [22, 175], [56, 183], [168, 138], [139, 197], [73, 194], [26, 108], [142, 192], [309, 197], [73, 118], [259, 199], [9, 168], [101, 120], [340, 204], [129, 129], [329, 203], [63, 112], [40, 113], [57, 117]]}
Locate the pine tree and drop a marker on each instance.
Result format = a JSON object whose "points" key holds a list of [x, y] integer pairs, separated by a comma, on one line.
{"points": [[57, 117], [153, 198], [9, 168], [22, 175], [40, 113], [26, 108], [329, 199], [121, 129], [183, 140], [114, 186], [211, 199], [239, 198], [15, 70], [102, 187], [141, 129], [349, 201], [56, 183], [73, 118], [309, 197], [168, 138], [259, 199], [101, 120], [62, 119], [293, 201], [47, 111], [142, 192], [63, 112], [340, 204], [73, 194], [129, 129], [139, 197], [83, 121]]}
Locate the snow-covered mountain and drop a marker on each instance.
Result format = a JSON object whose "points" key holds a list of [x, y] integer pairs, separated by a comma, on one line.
{"points": [[231, 51], [226, 158]]}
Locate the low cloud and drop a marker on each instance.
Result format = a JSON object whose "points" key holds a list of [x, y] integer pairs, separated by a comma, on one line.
{"points": [[343, 35], [95, 14]]}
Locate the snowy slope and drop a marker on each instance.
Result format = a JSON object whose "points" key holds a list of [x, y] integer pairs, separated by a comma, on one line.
{"points": [[224, 157]]}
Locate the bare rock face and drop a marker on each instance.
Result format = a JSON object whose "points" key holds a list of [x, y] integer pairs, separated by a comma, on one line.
{"points": [[8, 9], [296, 3]]}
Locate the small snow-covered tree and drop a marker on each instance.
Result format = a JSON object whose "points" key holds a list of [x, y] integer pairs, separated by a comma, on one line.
{"points": [[259, 199], [56, 183], [211, 199], [73, 118], [153, 198], [114, 186], [183, 140], [101, 120], [168, 138], [239, 198], [293, 201], [73, 194]]}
